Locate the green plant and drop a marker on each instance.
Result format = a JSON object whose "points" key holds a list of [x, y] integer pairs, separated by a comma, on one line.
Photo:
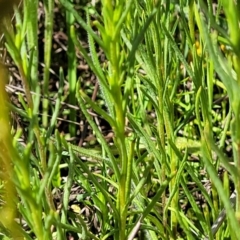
{"points": [[164, 83]]}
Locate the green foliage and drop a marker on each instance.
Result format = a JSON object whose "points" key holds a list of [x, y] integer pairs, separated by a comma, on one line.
{"points": [[164, 83]]}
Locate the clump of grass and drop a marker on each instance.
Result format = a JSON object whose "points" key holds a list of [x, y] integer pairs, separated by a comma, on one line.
{"points": [[163, 82]]}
